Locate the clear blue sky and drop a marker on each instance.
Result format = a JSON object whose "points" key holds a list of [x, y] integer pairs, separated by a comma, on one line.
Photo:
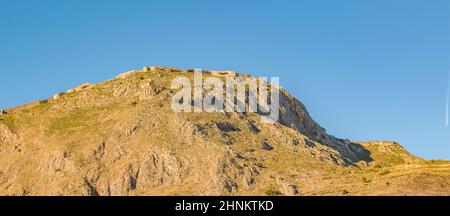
{"points": [[366, 70]]}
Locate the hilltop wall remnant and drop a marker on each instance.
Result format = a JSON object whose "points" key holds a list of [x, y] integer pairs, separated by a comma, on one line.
{"points": [[159, 68], [228, 73], [224, 73], [44, 101], [25, 106], [148, 69], [57, 96], [80, 87], [127, 74]]}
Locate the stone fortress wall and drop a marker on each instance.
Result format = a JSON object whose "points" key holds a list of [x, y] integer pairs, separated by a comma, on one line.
{"points": [[226, 73], [24, 106]]}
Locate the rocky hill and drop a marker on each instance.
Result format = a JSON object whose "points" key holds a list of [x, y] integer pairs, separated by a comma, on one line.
{"points": [[121, 137]]}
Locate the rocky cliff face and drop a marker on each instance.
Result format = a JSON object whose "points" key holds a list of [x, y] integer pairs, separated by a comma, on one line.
{"points": [[120, 137]]}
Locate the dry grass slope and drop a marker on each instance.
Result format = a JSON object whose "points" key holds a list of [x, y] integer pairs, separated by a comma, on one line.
{"points": [[120, 137]]}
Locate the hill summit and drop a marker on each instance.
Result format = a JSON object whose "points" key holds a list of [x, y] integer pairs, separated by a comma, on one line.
{"points": [[121, 137]]}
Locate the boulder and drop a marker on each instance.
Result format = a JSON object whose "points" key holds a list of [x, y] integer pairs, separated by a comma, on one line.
{"points": [[147, 69], [267, 146], [58, 95], [287, 188]]}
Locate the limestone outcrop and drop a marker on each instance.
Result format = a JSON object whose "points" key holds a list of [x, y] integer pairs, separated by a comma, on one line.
{"points": [[121, 137], [80, 88]]}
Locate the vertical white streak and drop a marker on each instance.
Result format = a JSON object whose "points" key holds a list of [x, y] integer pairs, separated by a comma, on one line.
{"points": [[448, 96]]}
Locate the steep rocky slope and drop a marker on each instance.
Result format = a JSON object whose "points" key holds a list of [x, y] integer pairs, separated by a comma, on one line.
{"points": [[120, 137]]}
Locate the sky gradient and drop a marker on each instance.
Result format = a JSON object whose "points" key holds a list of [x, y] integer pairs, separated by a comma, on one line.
{"points": [[366, 70]]}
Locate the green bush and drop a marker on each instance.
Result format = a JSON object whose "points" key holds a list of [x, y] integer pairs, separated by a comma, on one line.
{"points": [[273, 192]]}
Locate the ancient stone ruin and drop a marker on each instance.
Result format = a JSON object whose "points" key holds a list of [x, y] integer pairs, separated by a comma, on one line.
{"points": [[80, 87], [225, 73], [159, 68], [148, 69], [24, 106], [58, 96], [44, 101], [127, 74]]}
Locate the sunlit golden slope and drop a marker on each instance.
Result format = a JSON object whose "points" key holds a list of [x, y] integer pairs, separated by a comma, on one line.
{"points": [[120, 137]]}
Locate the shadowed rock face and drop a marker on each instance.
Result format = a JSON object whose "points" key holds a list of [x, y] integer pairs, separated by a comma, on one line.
{"points": [[294, 114], [120, 137]]}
